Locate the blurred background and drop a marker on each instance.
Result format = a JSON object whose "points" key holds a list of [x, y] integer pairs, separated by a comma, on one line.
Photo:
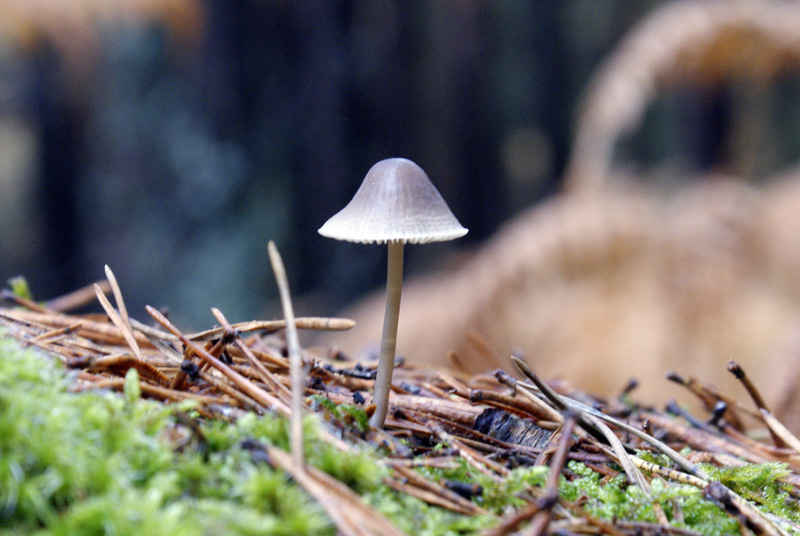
{"points": [[171, 139]]}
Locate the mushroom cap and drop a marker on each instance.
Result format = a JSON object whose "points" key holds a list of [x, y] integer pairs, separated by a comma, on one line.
{"points": [[397, 202]]}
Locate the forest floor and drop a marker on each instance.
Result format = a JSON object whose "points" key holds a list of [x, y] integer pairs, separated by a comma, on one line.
{"points": [[110, 425]]}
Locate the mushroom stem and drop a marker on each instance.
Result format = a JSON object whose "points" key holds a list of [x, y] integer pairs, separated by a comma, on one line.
{"points": [[383, 379]]}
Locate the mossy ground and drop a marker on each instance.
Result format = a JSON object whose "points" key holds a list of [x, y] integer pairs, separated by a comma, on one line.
{"points": [[100, 463]]}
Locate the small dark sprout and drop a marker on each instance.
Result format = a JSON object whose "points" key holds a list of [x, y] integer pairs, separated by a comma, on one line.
{"points": [[316, 383], [675, 377], [250, 443], [673, 408], [735, 369], [647, 427], [258, 451], [632, 384], [413, 389], [230, 335], [720, 495], [515, 458], [465, 489], [79, 362], [718, 412], [190, 369]]}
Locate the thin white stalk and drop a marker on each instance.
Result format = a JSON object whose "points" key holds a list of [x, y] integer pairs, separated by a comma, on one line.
{"points": [[383, 380], [295, 364]]}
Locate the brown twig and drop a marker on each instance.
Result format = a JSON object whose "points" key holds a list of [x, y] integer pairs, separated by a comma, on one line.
{"points": [[123, 327], [298, 374], [261, 371], [739, 373], [123, 362], [263, 398], [269, 326], [58, 333]]}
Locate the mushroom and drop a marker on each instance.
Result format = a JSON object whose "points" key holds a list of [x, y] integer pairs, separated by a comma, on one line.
{"points": [[396, 203]]}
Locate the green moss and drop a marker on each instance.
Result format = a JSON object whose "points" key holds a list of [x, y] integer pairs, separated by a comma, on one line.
{"points": [[98, 463], [502, 497], [413, 516], [613, 498], [760, 484], [352, 417]]}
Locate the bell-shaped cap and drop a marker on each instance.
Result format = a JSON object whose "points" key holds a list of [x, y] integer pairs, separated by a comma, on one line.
{"points": [[397, 202]]}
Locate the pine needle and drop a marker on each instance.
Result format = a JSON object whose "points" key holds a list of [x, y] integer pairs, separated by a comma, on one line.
{"points": [[295, 362]]}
